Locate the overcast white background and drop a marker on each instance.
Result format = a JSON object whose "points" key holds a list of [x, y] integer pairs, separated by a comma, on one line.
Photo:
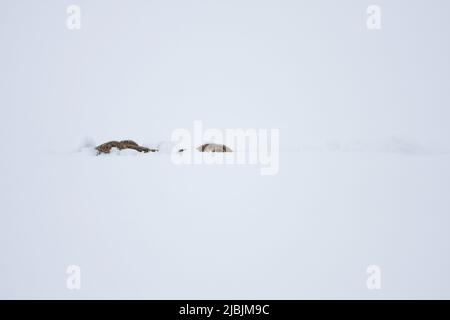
{"points": [[141, 227]]}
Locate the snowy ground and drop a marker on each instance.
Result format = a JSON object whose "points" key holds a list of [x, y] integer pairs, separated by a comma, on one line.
{"points": [[139, 226], [142, 227]]}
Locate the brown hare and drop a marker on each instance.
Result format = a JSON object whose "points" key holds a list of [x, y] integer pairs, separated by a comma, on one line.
{"points": [[214, 147], [124, 144]]}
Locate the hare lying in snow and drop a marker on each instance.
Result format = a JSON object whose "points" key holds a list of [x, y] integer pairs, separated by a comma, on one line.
{"points": [[214, 147], [124, 144]]}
